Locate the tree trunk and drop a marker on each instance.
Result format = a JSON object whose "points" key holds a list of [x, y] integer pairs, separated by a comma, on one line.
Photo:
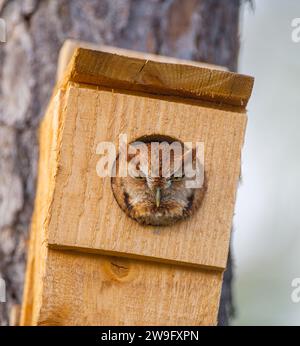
{"points": [[205, 30]]}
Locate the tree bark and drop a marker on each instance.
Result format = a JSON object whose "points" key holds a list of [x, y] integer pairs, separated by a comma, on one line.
{"points": [[205, 30]]}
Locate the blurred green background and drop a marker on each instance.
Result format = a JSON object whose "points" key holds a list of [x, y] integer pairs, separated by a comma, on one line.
{"points": [[267, 221]]}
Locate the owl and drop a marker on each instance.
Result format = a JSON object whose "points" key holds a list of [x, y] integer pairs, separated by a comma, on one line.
{"points": [[158, 199]]}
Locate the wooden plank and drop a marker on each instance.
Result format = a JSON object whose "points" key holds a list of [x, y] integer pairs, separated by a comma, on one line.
{"points": [[116, 71], [85, 215], [69, 47], [38, 247], [83, 289]]}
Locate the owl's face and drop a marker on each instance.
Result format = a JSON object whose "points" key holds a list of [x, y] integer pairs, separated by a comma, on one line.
{"points": [[157, 199]]}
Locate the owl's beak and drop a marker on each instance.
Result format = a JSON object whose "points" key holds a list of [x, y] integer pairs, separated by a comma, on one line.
{"points": [[158, 197]]}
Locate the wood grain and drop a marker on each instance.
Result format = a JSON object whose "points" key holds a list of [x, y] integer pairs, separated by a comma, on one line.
{"points": [[84, 289], [85, 215], [69, 47], [189, 81], [49, 140]]}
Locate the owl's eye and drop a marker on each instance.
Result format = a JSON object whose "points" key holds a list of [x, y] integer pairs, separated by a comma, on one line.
{"points": [[173, 178], [139, 177]]}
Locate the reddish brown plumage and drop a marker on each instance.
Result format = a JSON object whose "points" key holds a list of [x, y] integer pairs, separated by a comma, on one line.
{"points": [[137, 196]]}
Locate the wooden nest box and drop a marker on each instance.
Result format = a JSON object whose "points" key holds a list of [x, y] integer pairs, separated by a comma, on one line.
{"points": [[91, 264]]}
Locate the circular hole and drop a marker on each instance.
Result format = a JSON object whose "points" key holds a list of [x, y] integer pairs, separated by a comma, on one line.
{"points": [[156, 138], [159, 200]]}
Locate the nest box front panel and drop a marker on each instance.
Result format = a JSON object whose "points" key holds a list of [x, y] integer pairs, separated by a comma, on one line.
{"points": [[84, 213], [86, 289]]}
